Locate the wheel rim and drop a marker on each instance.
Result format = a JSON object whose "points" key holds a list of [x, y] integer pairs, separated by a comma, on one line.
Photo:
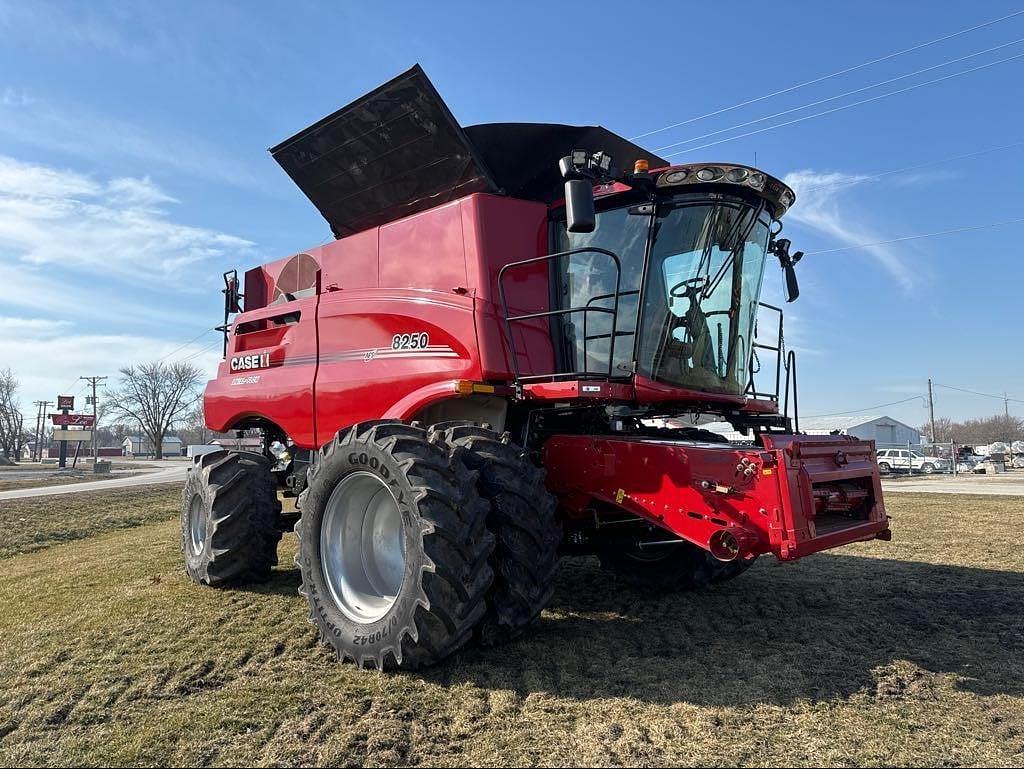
{"points": [[197, 524], [362, 547]]}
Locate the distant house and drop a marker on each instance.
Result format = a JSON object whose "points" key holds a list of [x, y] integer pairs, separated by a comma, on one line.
{"points": [[883, 430], [140, 446]]}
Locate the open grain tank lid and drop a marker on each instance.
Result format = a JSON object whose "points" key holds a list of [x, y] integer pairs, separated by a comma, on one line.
{"points": [[398, 150]]}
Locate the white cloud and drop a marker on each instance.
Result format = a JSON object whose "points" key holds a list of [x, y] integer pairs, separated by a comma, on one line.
{"points": [[115, 230], [13, 97], [45, 363], [819, 209], [80, 132], [39, 328], [140, 192]]}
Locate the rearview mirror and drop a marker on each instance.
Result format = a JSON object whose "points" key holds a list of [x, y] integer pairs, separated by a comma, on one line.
{"points": [[792, 286], [579, 206]]}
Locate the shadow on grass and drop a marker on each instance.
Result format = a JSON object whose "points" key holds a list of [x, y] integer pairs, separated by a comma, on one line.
{"points": [[823, 629]]}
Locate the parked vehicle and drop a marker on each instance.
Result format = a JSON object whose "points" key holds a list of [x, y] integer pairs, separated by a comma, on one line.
{"points": [[486, 428], [907, 460], [991, 464], [966, 464]]}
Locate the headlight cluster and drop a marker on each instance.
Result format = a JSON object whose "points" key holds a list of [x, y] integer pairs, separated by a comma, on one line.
{"points": [[775, 192]]}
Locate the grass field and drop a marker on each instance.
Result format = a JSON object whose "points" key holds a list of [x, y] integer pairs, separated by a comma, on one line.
{"points": [[910, 652]]}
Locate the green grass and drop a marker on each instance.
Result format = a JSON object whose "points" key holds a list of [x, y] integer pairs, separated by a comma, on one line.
{"points": [[910, 652], [39, 522]]}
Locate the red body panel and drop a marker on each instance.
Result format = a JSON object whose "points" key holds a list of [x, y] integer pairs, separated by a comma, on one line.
{"points": [[694, 490], [388, 321], [431, 277]]}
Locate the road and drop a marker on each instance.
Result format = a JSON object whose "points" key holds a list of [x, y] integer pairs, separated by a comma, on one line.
{"points": [[1009, 484], [163, 473]]}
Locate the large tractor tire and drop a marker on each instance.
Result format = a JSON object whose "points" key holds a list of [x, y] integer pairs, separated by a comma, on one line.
{"points": [[667, 568], [229, 519], [393, 547], [523, 519]]}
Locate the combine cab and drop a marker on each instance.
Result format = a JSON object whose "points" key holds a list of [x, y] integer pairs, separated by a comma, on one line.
{"points": [[506, 355]]}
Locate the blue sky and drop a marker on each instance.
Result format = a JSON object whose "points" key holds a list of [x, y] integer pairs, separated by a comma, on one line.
{"points": [[133, 163]]}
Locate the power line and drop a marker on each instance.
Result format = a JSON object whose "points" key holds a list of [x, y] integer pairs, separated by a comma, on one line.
{"points": [[917, 237], [845, 71], [186, 344], [1003, 397], [199, 352], [869, 408], [842, 95], [904, 169], [847, 106]]}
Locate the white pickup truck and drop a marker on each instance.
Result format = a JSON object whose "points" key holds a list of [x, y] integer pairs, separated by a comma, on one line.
{"points": [[906, 460]]}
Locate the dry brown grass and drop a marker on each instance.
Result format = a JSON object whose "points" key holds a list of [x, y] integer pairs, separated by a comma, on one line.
{"points": [[903, 653]]}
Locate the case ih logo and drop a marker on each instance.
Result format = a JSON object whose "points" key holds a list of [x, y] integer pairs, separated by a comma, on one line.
{"points": [[249, 362]]}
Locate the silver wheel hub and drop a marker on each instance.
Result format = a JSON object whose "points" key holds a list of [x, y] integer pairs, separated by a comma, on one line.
{"points": [[362, 547], [197, 524]]}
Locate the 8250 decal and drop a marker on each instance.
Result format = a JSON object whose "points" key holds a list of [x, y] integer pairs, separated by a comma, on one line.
{"points": [[418, 340]]}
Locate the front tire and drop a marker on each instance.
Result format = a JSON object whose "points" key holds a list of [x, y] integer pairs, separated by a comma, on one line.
{"points": [[230, 519], [523, 520], [393, 547]]}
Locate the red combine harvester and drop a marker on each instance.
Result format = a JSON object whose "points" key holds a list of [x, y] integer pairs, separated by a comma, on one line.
{"points": [[507, 355]]}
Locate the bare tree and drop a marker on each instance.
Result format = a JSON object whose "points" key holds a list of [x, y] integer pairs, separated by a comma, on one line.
{"points": [[12, 422], [1000, 427], [194, 429], [156, 396]]}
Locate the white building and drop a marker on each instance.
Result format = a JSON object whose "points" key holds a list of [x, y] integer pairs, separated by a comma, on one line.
{"points": [[139, 446], [883, 430]]}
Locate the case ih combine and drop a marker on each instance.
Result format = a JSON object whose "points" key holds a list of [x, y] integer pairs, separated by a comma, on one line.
{"points": [[505, 356]]}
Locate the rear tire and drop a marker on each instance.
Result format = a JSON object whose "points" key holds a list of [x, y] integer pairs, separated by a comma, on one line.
{"points": [[884, 468], [669, 568], [230, 519], [523, 520], [379, 604]]}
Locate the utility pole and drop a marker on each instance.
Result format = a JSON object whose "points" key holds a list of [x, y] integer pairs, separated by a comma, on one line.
{"points": [[37, 453], [931, 410], [35, 435], [95, 422], [1006, 406]]}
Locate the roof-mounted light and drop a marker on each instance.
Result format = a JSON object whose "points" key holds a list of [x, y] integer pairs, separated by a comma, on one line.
{"points": [[778, 195]]}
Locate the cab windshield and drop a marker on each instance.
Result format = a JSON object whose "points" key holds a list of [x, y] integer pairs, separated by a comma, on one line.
{"points": [[699, 294]]}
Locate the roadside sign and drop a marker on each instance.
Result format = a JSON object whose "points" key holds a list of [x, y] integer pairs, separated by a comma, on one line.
{"points": [[65, 402], [74, 436], [79, 420]]}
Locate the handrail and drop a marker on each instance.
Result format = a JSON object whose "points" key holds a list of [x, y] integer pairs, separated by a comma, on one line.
{"points": [[509, 319], [791, 369], [588, 337], [777, 349]]}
